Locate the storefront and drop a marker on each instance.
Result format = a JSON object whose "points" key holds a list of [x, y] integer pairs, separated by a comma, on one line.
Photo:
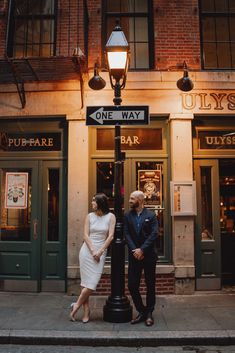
{"points": [[146, 168], [214, 166], [33, 161]]}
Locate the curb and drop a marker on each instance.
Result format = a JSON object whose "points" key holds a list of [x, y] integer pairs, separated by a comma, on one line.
{"points": [[125, 339]]}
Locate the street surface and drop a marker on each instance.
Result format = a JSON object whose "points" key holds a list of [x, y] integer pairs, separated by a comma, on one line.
{"points": [[83, 349]]}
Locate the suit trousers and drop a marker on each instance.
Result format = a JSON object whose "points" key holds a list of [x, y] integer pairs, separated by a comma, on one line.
{"points": [[135, 270]]}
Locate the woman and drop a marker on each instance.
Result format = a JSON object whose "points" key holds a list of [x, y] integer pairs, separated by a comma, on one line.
{"points": [[98, 234]]}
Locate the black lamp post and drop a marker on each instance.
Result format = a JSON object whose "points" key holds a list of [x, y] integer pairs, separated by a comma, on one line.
{"points": [[117, 308]]}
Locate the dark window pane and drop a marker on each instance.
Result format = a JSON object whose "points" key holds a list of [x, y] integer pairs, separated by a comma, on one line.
{"points": [[141, 29], [141, 5], [221, 5], [206, 204], [46, 50], [232, 28], [113, 6], [142, 56], [222, 29], [218, 36], [48, 7], [224, 60], [207, 5], [208, 29], [105, 181], [233, 55], [35, 50], [210, 56], [136, 28], [47, 31], [232, 5], [33, 24], [53, 205]]}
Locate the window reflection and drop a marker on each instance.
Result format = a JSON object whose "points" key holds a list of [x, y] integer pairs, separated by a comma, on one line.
{"points": [[105, 181], [53, 205], [206, 204], [149, 179]]}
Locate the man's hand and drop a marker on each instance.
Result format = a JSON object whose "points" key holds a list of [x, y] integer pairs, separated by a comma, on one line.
{"points": [[138, 254]]}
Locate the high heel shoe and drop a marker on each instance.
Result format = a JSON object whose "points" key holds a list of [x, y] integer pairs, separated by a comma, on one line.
{"points": [[71, 317], [86, 319]]}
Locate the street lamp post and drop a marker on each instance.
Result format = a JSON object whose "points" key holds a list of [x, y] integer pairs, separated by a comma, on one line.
{"points": [[117, 308]]}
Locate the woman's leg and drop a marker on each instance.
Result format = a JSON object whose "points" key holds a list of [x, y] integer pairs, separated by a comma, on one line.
{"points": [[86, 309], [83, 297]]}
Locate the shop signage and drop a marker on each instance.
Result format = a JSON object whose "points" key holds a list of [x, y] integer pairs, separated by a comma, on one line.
{"points": [[131, 139], [209, 101], [217, 139], [48, 141], [111, 115]]}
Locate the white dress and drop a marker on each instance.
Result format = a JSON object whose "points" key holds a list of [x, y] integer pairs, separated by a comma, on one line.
{"points": [[90, 269]]}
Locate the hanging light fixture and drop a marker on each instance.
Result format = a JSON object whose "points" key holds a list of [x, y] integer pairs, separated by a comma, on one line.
{"points": [[96, 82], [185, 83]]}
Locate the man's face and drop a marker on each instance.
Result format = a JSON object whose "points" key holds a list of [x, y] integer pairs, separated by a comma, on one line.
{"points": [[134, 202]]}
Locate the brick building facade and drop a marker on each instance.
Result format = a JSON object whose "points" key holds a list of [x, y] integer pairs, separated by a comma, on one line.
{"points": [[47, 54]]}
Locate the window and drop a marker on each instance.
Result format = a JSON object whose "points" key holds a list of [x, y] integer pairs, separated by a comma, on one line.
{"points": [[136, 22], [218, 33], [31, 28]]}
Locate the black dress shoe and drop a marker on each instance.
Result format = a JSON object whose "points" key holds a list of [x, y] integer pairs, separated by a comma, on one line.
{"points": [[139, 318], [149, 320]]}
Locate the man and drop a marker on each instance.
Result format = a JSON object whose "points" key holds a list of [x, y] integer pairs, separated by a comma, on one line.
{"points": [[140, 231]]}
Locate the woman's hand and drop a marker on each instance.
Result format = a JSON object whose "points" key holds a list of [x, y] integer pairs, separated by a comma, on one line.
{"points": [[97, 255]]}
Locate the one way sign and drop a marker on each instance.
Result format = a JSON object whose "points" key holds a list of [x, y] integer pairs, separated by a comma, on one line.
{"points": [[111, 115]]}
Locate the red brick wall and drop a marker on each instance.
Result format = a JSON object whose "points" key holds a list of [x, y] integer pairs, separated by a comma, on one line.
{"points": [[165, 284], [177, 36], [176, 31]]}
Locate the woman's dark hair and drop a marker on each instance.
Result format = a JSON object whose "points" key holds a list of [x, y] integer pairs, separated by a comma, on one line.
{"points": [[102, 202]]}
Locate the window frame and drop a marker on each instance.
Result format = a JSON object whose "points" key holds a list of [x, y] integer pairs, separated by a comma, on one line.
{"points": [[209, 14], [26, 17], [149, 15]]}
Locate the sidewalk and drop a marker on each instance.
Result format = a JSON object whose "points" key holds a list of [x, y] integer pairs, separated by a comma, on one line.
{"points": [[42, 318]]}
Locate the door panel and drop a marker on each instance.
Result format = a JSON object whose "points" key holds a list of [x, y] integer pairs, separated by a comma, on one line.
{"points": [[19, 253], [208, 257], [53, 226], [33, 239]]}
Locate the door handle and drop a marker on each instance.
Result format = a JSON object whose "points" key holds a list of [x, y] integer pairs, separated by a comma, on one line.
{"points": [[35, 229]]}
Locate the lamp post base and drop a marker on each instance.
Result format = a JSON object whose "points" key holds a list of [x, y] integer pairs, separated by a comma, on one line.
{"points": [[117, 309]]}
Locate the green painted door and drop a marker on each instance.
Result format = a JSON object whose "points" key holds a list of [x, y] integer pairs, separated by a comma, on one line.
{"points": [[32, 234], [208, 257]]}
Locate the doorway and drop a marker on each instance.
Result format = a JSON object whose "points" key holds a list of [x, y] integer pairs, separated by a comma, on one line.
{"points": [[32, 225], [227, 220], [215, 223], [146, 174]]}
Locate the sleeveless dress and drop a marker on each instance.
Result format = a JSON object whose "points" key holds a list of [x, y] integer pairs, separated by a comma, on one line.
{"points": [[91, 270]]}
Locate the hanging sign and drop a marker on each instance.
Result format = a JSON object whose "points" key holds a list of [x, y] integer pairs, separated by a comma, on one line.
{"points": [[16, 190]]}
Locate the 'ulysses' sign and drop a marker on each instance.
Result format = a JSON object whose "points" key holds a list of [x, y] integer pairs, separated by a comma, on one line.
{"points": [[208, 101], [216, 139]]}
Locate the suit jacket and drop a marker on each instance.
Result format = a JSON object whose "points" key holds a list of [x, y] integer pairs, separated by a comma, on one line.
{"points": [[146, 237]]}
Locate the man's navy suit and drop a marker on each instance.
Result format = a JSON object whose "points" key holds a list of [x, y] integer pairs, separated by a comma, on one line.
{"points": [[141, 232]]}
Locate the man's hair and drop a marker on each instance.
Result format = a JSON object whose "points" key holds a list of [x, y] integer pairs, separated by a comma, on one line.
{"points": [[139, 194]]}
